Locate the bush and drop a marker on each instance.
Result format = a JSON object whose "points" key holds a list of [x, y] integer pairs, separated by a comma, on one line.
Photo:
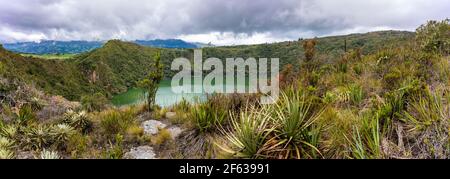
{"points": [[434, 36], [115, 150], [135, 133], [366, 139], [77, 145], [96, 102], [117, 122], [26, 115], [427, 119], [163, 136], [211, 114]]}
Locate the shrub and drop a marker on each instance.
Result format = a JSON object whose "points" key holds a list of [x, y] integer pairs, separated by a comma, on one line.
{"points": [[210, 114], [310, 50], [26, 115], [135, 133], [356, 94], [163, 136], [434, 36], [96, 102], [366, 139], [427, 121], [77, 145], [116, 122], [115, 151]]}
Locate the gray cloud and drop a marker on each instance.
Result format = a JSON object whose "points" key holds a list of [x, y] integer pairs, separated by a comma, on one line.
{"points": [[219, 21]]}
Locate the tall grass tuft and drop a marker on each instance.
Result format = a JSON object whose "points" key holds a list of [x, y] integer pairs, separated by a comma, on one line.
{"points": [[211, 114]]}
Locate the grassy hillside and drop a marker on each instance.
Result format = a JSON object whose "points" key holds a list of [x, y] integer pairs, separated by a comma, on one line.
{"points": [[51, 75], [387, 97], [118, 65]]}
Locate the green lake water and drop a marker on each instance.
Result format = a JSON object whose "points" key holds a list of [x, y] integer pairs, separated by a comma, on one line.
{"points": [[164, 96]]}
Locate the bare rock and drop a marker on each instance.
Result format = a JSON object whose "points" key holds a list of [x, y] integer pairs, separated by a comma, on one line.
{"points": [[141, 152], [152, 126], [55, 107], [175, 131]]}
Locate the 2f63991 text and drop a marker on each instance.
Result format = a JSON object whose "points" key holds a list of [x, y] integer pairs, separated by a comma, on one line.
{"points": [[246, 168]]}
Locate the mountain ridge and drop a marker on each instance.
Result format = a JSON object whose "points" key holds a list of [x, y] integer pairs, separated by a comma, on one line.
{"points": [[118, 65], [81, 46]]}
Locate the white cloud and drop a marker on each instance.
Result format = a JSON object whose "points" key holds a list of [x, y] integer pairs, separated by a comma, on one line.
{"points": [[217, 21], [230, 38]]}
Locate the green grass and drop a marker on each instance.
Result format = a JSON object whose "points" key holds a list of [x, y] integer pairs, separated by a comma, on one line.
{"points": [[50, 56]]}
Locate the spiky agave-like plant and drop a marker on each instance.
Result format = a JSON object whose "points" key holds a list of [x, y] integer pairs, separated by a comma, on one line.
{"points": [[47, 154], [61, 133], [5, 142], [78, 120], [296, 134], [37, 137], [249, 133], [6, 154]]}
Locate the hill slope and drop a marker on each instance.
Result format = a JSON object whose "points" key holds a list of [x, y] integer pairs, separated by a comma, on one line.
{"points": [[75, 47], [53, 76], [118, 65]]}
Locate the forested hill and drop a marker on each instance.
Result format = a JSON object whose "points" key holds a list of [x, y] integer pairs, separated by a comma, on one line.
{"points": [[117, 65], [74, 47]]}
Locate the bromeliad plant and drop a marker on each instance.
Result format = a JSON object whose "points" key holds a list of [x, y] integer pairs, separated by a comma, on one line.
{"points": [[287, 129], [78, 120], [296, 133], [251, 129]]}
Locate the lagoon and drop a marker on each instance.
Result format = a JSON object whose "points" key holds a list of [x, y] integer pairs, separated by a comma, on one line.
{"points": [[164, 97]]}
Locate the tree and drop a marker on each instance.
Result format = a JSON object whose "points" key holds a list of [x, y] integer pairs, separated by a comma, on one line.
{"points": [[152, 80], [434, 37]]}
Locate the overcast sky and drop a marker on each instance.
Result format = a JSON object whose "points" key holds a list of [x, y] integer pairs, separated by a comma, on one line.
{"points": [[221, 22]]}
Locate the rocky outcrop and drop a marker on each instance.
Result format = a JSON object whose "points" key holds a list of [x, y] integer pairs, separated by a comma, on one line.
{"points": [[141, 152], [152, 127]]}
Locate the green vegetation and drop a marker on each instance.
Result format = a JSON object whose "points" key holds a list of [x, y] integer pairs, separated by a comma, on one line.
{"points": [[50, 56], [151, 81], [379, 95]]}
